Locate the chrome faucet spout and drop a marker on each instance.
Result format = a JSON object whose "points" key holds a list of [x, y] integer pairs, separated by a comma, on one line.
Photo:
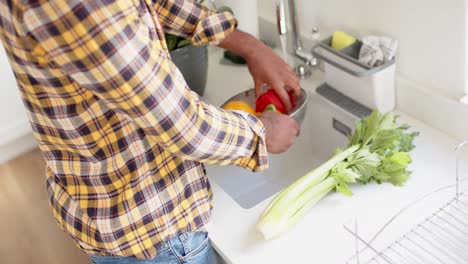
{"points": [[294, 24], [298, 51], [281, 17]]}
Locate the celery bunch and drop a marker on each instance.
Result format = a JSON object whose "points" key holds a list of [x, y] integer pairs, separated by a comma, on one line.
{"points": [[377, 151]]}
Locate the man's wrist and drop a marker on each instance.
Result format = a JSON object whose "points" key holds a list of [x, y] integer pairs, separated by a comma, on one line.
{"points": [[252, 50], [266, 121]]}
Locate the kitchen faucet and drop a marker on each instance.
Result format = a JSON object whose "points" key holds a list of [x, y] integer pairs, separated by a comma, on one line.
{"points": [[306, 57]]}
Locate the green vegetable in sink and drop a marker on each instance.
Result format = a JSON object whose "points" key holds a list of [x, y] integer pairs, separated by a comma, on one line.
{"points": [[172, 41], [175, 42], [377, 151], [183, 43]]}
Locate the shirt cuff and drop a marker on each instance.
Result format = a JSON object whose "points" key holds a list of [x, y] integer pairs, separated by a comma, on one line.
{"points": [[214, 28], [258, 161]]}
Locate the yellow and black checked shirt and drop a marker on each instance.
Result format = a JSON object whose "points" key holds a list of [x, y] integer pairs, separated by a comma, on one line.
{"points": [[123, 136]]}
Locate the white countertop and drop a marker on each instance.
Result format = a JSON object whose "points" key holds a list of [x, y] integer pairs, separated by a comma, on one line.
{"points": [[320, 236]]}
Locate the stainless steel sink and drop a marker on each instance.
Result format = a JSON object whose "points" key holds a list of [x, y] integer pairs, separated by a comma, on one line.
{"points": [[320, 135]]}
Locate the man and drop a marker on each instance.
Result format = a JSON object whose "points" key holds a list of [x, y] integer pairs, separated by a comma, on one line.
{"points": [[123, 136]]}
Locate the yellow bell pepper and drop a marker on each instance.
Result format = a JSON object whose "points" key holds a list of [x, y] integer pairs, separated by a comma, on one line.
{"points": [[240, 105]]}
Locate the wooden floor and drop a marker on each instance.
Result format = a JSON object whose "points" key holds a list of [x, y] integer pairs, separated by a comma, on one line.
{"points": [[28, 232]]}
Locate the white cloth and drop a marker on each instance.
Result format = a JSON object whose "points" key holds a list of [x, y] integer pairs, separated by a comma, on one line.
{"points": [[377, 50]]}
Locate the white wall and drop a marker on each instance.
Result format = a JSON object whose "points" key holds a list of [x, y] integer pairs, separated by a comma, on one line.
{"points": [[431, 34], [14, 124], [466, 55]]}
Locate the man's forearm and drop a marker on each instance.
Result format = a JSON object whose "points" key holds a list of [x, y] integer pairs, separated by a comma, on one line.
{"points": [[241, 43]]}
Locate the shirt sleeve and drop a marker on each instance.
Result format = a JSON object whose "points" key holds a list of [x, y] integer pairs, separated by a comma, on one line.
{"points": [[192, 20], [105, 48]]}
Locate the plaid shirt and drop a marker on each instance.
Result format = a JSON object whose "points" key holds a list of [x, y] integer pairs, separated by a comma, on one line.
{"points": [[123, 136]]}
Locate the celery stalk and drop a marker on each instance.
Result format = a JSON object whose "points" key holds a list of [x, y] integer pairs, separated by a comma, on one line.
{"points": [[307, 190], [276, 222], [378, 151]]}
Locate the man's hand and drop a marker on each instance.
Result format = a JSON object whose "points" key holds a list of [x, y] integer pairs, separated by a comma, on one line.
{"points": [[265, 66], [281, 131]]}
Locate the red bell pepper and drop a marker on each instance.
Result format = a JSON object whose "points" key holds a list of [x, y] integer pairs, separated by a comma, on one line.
{"points": [[271, 97]]}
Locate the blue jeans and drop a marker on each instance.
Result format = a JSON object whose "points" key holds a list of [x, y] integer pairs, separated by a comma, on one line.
{"points": [[187, 248]]}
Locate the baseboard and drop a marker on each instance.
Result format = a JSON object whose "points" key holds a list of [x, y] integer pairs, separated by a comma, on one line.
{"points": [[11, 132], [17, 147]]}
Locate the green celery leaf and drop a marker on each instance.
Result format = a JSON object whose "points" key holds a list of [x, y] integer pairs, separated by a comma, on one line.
{"points": [[386, 139], [339, 167], [396, 162], [365, 170], [346, 175], [406, 143], [372, 123], [356, 137], [381, 176], [343, 188], [387, 122], [364, 155], [404, 127], [398, 178]]}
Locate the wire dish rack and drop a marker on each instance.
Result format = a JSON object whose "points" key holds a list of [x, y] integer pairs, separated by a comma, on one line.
{"points": [[441, 237]]}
